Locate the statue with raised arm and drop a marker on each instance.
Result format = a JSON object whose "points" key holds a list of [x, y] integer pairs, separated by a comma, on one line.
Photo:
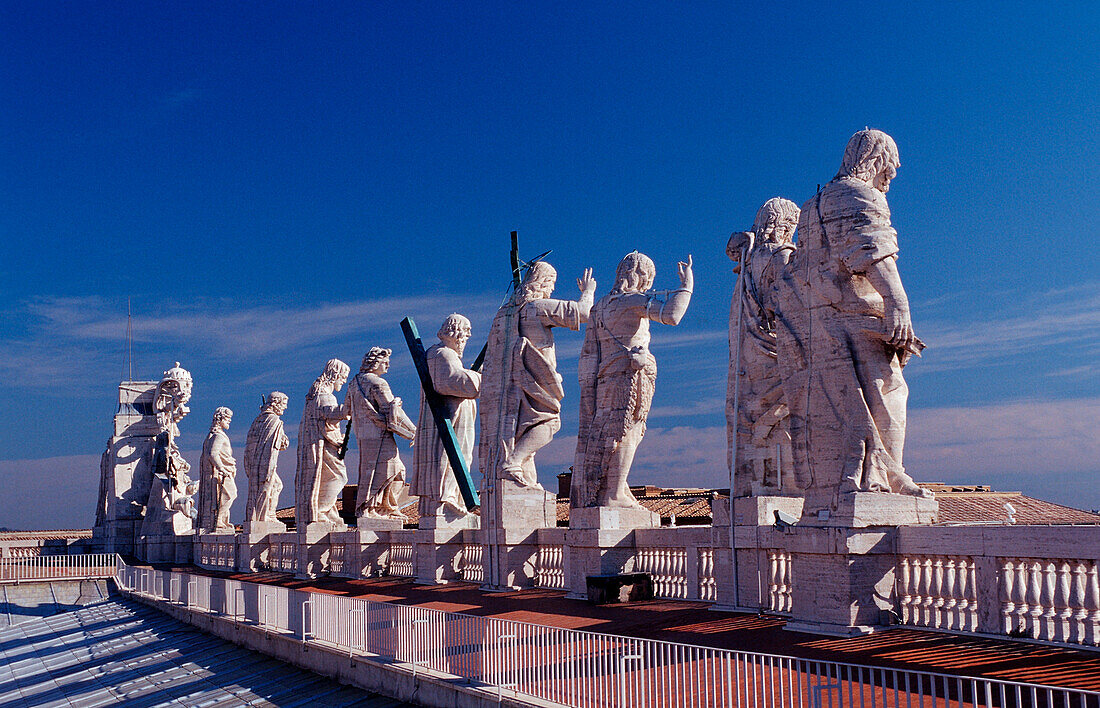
{"points": [[844, 334], [217, 473], [266, 439], [321, 474], [377, 416], [756, 410], [521, 390], [617, 376], [432, 478]]}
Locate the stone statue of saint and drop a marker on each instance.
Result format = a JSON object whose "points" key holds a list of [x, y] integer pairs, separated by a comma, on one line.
{"points": [[432, 478], [217, 475], [844, 333], [763, 441], [377, 416], [521, 389], [617, 375], [170, 508], [321, 474], [265, 441]]}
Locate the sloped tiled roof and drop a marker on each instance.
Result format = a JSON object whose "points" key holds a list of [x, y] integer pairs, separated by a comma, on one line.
{"points": [[45, 535]]}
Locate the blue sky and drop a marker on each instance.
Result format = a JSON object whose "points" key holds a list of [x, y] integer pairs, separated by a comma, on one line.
{"points": [[274, 185]]}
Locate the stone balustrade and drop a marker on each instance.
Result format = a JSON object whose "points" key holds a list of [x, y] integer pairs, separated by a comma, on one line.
{"points": [[473, 569], [550, 567], [779, 581], [400, 562]]}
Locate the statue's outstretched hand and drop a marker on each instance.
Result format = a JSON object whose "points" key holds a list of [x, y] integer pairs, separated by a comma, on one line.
{"points": [[687, 279], [586, 283]]}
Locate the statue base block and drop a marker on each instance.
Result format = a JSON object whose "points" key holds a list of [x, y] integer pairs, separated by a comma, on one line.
{"points": [[264, 527], [314, 547], [370, 523], [863, 509], [510, 548], [437, 553], [254, 549], [760, 511], [613, 518]]}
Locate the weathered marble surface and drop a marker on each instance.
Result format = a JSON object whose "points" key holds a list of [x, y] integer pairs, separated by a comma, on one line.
{"points": [[756, 410], [217, 476], [617, 375], [432, 478], [377, 416], [844, 333], [521, 390], [321, 474], [266, 439]]}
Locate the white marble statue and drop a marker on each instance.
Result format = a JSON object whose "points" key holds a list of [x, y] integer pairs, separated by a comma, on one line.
{"points": [[617, 376], [266, 439], [521, 390], [217, 475], [170, 507], [763, 452], [377, 416], [432, 478], [844, 333], [321, 474]]}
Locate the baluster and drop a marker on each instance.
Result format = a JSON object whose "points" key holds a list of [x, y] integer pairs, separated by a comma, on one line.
{"points": [[962, 609], [937, 593], [681, 562], [1077, 603], [1065, 610], [927, 590], [949, 597], [972, 595], [773, 581], [1050, 580], [1092, 603], [1022, 607], [917, 583], [904, 589], [1035, 598], [788, 581]]}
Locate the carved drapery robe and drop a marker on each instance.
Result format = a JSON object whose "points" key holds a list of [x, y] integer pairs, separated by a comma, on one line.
{"points": [[762, 409], [522, 389], [217, 484], [266, 439], [376, 415], [843, 384], [321, 474], [432, 479]]}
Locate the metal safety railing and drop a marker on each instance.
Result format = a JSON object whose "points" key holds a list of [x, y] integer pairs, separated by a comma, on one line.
{"points": [[578, 668], [86, 566]]}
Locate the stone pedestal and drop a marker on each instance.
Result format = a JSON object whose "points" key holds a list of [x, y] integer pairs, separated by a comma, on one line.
{"points": [[744, 588], [842, 579], [510, 548], [600, 541], [371, 549], [863, 509], [166, 548], [313, 548], [760, 511], [437, 547], [254, 546]]}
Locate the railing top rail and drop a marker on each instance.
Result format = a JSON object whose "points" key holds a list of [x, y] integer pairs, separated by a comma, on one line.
{"points": [[642, 640]]}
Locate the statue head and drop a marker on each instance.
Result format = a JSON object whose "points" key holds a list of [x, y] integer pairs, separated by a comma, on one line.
{"points": [[871, 156], [222, 418], [276, 403], [333, 378], [171, 396], [635, 273], [376, 361], [776, 221], [454, 332], [538, 283]]}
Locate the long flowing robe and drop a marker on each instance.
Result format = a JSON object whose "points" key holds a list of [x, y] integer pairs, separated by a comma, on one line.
{"points": [[521, 387], [761, 431], [266, 439], [321, 474], [376, 415], [432, 478], [844, 385], [217, 486]]}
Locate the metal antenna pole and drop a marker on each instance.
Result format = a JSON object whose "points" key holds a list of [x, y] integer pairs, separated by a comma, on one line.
{"points": [[737, 413], [129, 339]]}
